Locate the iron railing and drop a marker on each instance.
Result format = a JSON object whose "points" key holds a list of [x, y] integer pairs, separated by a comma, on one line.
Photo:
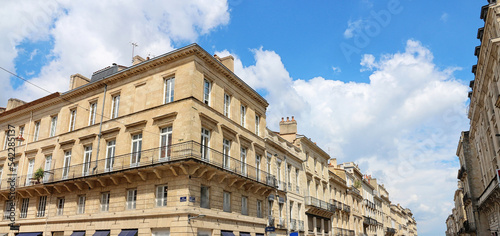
{"points": [[281, 223], [281, 185], [293, 225], [354, 190], [270, 221], [312, 201], [369, 221], [151, 157], [301, 225]]}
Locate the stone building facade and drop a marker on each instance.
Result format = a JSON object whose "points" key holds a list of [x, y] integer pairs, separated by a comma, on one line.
{"points": [[174, 145]]}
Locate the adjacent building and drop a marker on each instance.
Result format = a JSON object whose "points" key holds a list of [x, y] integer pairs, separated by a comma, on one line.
{"points": [[177, 145]]}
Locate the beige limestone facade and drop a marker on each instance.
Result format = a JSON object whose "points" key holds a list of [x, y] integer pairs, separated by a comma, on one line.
{"points": [[175, 145], [479, 148]]}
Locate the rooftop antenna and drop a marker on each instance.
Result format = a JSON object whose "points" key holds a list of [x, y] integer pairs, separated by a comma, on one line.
{"points": [[133, 47]]}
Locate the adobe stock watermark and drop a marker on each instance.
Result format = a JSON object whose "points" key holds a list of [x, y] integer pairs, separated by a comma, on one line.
{"points": [[370, 28], [11, 143]]}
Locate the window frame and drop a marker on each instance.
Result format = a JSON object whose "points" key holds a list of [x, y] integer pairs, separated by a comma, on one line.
{"points": [[257, 125], [207, 90], [161, 201], [243, 114], [226, 201], [87, 159], [205, 189], [244, 205], [243, 160], [92, 113], [205, 144], [42, 204], [110, 160], [165, 143], [66, 164], [72, 119], [24, 208], [227, 105], [226, 153], [53, 126], [131, 199], [36, 132], [168, 90], [115, 105], [60, 206], [136, 150], [81, 204], [104, 201]]}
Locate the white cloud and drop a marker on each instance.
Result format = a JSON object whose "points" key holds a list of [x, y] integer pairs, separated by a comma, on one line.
{"points": [[336, 69], [89, 35], [402, 127], [352, 27], [444, 17]]}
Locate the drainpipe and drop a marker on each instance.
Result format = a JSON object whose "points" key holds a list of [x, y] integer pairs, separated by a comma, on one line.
{"points": [[100, 129]]}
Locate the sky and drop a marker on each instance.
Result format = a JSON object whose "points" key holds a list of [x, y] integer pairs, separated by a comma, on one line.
{"points": [[380, 83]]}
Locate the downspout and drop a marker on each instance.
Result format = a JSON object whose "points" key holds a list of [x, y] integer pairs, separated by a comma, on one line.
{"points": [[100, 129]]}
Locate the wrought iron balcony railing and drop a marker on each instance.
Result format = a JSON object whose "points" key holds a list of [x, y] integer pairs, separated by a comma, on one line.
{"points": [[281, 185], [281, 223], [301, 225], [270, 221], [148, 158], [293, 225], [312, 201]]}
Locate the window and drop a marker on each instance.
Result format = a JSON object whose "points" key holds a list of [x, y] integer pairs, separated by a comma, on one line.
{"points": [[257, 125], [243, 160], [87, 158], [105, 201], [110, 156], [53, 126], [243, 115], [135, 158], [289, 177], [259, 208], [60, 206], [226, 201], [42, 202], [257, 166], [161, 195], [205, 197], [244, 205], [269, 157], [208, 232], [131, 199], [31, 165], [81, 204], [67, 161], [270, 208], [291, 211], [205, 144], [168, 88], [227, 105], [8, 208], [207, 87], [72, 119], [160, 232], [24, 208], [21, 133], [92, 113], [165, 143], [115, 106], [37, 131], [297, 180], [226, 152], [299, 208]]}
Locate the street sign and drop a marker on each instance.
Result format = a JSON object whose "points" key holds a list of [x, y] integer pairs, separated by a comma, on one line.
{"points": [[14, 227], [270, 229], [294, 234], [183, 199]]}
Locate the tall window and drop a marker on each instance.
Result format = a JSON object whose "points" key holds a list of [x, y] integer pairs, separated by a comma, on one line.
{"points": [[53, 126], [278, 171], [60, 206], [21, 133], [297, 182], [259, 208], [37, 131], [24, 208], [161, 195], [226, 152], [165, 143], [87, 158], [226, 201], [207, 87], [205, 144], [72, 119], [115, 106], [169, 90], [299, 208], [92, 113], [269, 158], [243, 115], [291, 211], [81, 204], [135, 159], [227, 105], [205, 197], [244, 205], [31, 165], [243, 160], [131, 199], [257, 167], [67, 161], [105, 201], [257, 125], [110, 156], [42, 202]]}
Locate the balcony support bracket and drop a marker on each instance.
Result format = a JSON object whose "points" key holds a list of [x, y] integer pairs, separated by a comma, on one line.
{"points": [[101, 181], [39, 193], [67, 187], [89, 183], [115, 181], [233, 182], [183, 169], [78, 185], [126, 177], [203, 172], [155, 171], [142, 175]]}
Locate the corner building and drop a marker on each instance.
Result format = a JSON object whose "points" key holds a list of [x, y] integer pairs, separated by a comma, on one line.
{"points": [[179, 152]]}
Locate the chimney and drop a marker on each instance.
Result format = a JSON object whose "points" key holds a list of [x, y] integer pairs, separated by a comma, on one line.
{"points": [[288, 126], [77, 80], [138, 59], [13, 103], [227, 61]]}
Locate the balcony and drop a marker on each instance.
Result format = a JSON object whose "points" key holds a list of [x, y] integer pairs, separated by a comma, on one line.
{"points": [[301, 225], [281, 185], [466, 199], [293, 225], [369, 221], [390, 231], [179, 153], [346, 208], [290, 187], [461, 172], [354, 190], [270, 221], [281, 223], [319, 207], [369, 204], [469, 227]]}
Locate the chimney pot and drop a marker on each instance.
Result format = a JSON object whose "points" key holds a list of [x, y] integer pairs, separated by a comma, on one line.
{"points": [[287, 118], [293, 118]]}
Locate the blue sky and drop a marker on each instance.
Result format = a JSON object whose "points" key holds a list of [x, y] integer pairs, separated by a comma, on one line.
{"points": [[394, 103]]}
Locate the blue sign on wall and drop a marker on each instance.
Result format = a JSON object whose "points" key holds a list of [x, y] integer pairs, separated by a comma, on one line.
{"points": [[294, 234], [270, 229], [192, 199], [183, 199]]}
